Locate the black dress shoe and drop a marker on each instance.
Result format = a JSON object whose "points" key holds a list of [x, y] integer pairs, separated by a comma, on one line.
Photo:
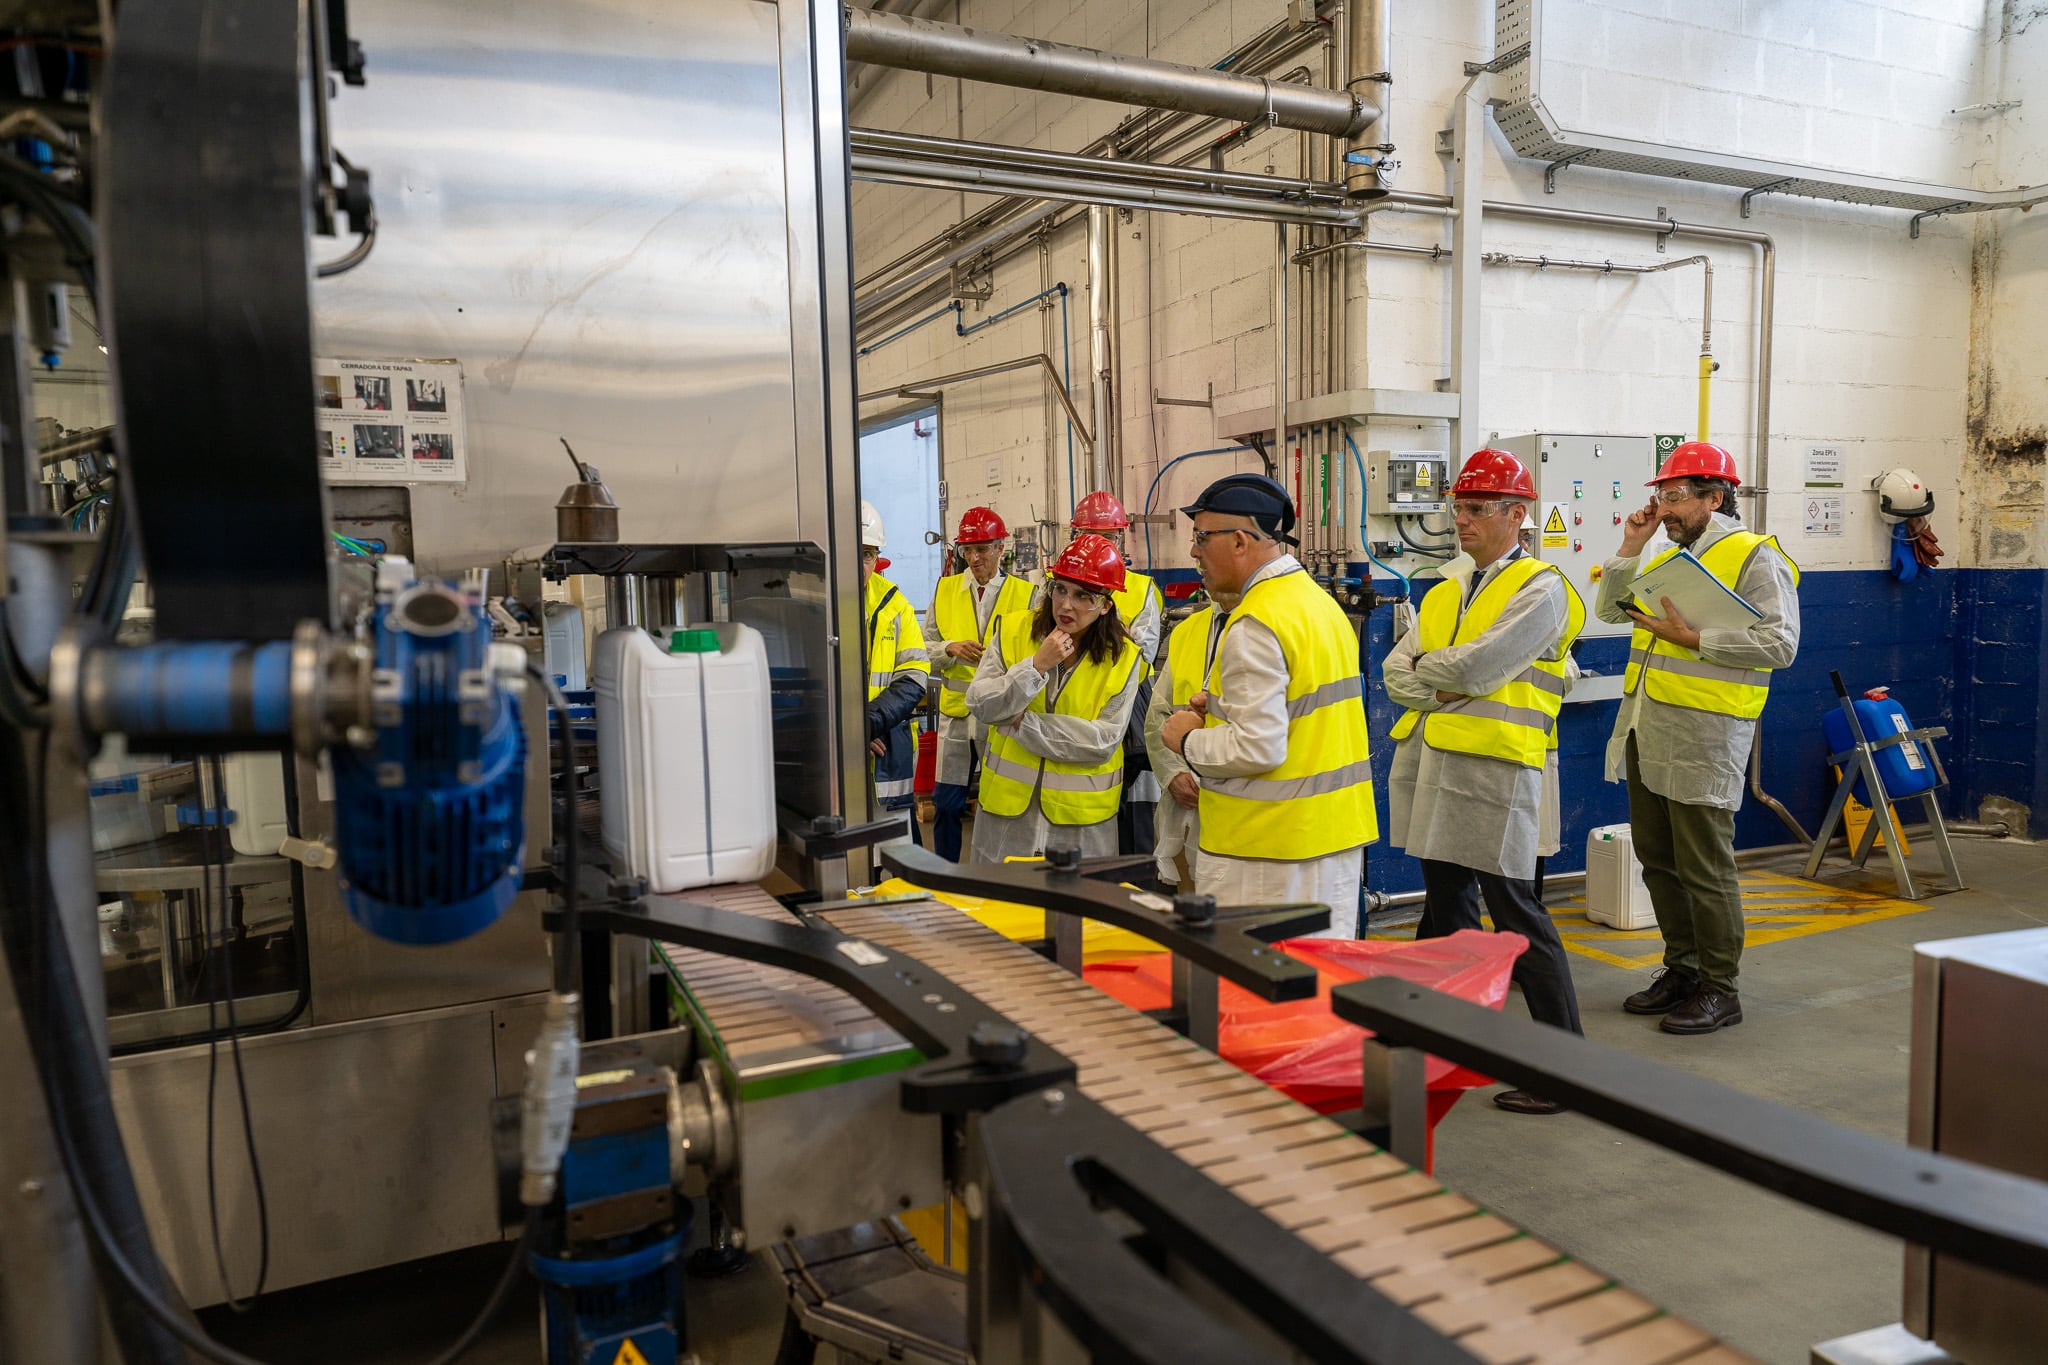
{"points": [[1708, 1010], [1668, 990], [1522, 1102]]}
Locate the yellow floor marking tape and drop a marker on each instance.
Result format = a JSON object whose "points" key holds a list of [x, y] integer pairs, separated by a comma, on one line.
{"points": [[1775, 908]]}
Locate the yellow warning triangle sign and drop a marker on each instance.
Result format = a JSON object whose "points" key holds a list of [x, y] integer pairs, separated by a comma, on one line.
{"points": [[629, 1354], [1553, 525]]}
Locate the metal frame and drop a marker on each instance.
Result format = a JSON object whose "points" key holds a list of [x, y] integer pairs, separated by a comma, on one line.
{"points": [[1861, 758], [1982, 1215]]}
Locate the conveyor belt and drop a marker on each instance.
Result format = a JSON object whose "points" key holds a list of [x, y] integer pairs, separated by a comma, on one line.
{"points": [[1507, 1296]]}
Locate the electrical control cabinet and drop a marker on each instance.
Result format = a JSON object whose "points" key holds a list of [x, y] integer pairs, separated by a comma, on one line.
{"points": [[1404, 482], [1585, 486]]}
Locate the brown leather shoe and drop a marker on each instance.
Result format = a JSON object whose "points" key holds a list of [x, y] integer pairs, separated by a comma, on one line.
{"points": [[1522, 1102], [1708, 1010], [1666, 992]]}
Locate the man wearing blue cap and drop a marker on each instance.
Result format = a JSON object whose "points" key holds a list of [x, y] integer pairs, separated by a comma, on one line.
{"points": [[1276, 736]]}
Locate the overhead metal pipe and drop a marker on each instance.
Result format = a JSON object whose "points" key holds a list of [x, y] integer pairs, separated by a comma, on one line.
{"points": [[1072, 189], [1043, 361], [1185, 178], [1034, 64]]}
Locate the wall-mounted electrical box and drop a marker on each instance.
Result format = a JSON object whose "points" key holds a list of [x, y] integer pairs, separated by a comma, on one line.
{"points": [[1398, 482], [1585, 486]]}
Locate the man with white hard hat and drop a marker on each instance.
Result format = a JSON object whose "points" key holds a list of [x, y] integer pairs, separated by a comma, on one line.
{"points": [[898, 670]]}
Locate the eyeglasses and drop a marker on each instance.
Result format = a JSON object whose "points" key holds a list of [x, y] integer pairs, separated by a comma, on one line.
{"points": [[1072, 596], [1671, 497], [1202, 537], [1476, 508]]}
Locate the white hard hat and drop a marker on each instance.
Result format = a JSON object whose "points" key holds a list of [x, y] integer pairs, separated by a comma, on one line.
{"points": [[871, 526], [1902, 493]]}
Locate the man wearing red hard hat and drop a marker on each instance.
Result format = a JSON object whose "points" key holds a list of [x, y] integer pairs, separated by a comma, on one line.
{"points": [[964, 610], [1055, 687], [1143, 612], [1483, 674], [1691, 698]]}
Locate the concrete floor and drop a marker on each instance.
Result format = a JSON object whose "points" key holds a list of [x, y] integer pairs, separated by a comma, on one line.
{"points": [[1825, 1029]]}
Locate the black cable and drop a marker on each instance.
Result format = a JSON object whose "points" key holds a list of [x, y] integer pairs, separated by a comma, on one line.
{"points": [[212, 831], [1428, 551], [566, 982], [366, 241], [55, 986]]}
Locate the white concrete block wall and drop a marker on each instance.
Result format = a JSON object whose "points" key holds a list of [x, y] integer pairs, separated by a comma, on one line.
{"points": [[1874, 330]]}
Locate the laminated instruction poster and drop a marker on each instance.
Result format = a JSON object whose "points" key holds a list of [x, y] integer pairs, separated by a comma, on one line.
{"points": [[390, 421]]}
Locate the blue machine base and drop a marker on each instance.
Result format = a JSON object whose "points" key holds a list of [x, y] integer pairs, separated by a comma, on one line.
{"points": [[595, 1306]]}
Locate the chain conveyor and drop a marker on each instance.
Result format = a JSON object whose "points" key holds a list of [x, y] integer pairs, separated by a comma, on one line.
{"points": [[1504, 1295]]}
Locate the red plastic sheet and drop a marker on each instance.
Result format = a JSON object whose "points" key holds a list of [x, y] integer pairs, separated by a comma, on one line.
{"points": [[1300, 1048]]}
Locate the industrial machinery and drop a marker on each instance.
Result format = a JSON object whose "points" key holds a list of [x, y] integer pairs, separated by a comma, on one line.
{"points": [[459, 951]]}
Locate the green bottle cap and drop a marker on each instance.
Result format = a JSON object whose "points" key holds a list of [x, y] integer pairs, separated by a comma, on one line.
{"points": [[699, 640]]}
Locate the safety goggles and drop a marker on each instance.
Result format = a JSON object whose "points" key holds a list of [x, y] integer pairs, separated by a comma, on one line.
{"points": [[1201, 538], [1672, 496], [1477, 509], [1071, 595]]}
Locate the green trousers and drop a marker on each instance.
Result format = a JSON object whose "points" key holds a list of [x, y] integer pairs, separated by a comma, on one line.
{"points": [[1688, 858]]}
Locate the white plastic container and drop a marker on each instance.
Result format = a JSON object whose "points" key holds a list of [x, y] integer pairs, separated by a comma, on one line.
{"points": [[1615, 894], [686, 755], [562, 644], [255, 794]]}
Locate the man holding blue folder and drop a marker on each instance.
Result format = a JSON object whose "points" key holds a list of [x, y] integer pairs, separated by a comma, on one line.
{"points": [[1691, 698]]}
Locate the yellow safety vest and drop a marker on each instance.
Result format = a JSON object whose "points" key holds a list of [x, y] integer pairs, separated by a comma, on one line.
{"points": [[953, 618], [1131, 602], [1517, 721], [1319, 800], [1068, 793], [1679, 676], [1187, 656], [895, 640]]}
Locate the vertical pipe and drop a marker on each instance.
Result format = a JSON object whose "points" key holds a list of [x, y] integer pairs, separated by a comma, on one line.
{"points": [[1046, 400], [1468, 196], [1100, 362], [622, 601], [1371, 51], [1763, 382], [1280, 271]]}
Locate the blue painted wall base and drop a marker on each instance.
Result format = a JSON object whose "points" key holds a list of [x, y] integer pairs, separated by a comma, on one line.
{"points": [[1960, 648]]}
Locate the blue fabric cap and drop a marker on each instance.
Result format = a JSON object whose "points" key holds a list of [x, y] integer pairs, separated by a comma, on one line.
{"points": [[1250, 495]]}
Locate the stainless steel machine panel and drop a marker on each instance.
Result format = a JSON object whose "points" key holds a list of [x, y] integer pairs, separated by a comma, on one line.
{"points": [[1980, 1091], [374, 1137], [589, 208]]}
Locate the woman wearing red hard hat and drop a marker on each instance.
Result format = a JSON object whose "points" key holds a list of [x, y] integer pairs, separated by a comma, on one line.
{"points": [[1689, 709], [965, 609], [1055, 687], [1143, 611]]}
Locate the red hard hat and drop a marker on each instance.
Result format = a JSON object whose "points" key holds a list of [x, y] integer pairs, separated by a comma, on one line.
{"points": [[1100, 511], [978, 526], [1496, 472], [1092, 562], [1697, 460]]}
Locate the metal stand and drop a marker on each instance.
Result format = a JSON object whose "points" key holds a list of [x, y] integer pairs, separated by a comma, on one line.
{"points": [[1861, 758]]}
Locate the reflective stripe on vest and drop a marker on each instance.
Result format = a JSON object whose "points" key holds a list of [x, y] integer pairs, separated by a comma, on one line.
{"points": [[954, 619], [1516, 722], [1318, 801], [895, 642], [1679, 676], [1068, 793]]}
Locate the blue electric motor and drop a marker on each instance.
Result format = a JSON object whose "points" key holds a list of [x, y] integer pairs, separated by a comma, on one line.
{"points": [[430, 834], [1903, 767]]}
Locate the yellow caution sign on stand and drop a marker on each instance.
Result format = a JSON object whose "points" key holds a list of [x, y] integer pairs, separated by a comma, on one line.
{"points": [[629, 1354]]}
